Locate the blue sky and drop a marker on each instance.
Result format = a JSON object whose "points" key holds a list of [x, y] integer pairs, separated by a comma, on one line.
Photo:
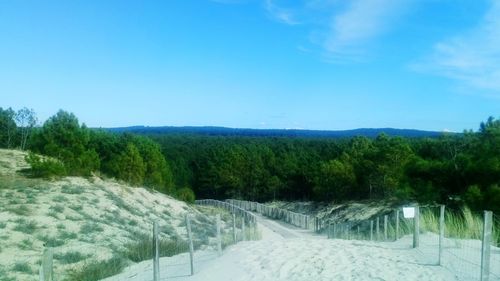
{"points": [[318, 64]]}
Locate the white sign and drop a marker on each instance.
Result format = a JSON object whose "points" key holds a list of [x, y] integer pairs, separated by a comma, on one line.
{"points": [[409, 212]]}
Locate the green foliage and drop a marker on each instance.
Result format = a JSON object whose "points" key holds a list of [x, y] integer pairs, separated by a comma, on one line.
{"points": [[473, 196], [129, 165], [63, 138], [88, 228], [51, 241], [464, 166], [335, 179], [464, 224], [186, 194], [71, 189], [135, 159], [141, 249], [97, 270], [26, 226], [70, 257], [45, 168], [21, 210], [23, 267], [8, 127]]}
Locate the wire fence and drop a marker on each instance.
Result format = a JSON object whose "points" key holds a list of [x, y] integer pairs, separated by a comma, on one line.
{"points": [[156, 251], [293, 218], [457, 240]]}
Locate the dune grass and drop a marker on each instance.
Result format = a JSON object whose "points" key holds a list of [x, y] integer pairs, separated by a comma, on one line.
{"points": [[88, 227], [26, 226], [70, 257], [460, 224], [23, 267], [141, 249], [21, 210], [97, 270]]}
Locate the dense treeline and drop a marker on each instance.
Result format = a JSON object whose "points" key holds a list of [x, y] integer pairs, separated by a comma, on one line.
{"points": [[459, 167]]}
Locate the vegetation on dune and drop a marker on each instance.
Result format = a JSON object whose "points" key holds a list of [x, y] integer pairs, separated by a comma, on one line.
{"points": [[97, 270], [73, 149], [462, 168]]}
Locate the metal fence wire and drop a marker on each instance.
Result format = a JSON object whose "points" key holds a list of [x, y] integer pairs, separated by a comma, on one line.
{"points": [[428, 248], [458, 240]]}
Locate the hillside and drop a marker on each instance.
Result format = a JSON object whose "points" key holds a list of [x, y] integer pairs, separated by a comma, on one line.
{"points": [[333, 212], [84, 220], [299, 133]]}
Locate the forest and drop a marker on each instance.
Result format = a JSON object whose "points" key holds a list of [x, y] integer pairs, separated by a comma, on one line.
{"points": [[455, 169]]}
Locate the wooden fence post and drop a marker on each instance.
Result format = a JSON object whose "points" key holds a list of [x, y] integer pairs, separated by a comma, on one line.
{"points": [[371, 230], [486, 246], [441, 234], [416, 229], [46, 266], [191, 248], [219, 239], [385, 227], [397, 225], [243, 234], [156, 253], [234, 228]]}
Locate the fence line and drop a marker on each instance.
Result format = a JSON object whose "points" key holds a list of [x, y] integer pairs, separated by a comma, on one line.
{"points": [[211, 238], [293, 218], [474, 255]]}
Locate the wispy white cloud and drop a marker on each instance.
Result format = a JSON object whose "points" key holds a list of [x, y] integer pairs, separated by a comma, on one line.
{"points": [[353, 29], [342, 29], [472, 58], [281, 14]]}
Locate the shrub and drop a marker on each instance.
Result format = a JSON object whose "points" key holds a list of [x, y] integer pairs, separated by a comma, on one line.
{"points": [[66, 235], [57, 208], [71, 190], [26, 244], [141, 249], [45, 168], [22, 210], [90, 227], [25, 226], [97, 270], [186, 194], [473, 197], [51, 241], [70, 257], [22, 267]]}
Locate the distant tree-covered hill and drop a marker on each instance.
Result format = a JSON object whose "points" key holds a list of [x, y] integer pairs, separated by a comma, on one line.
{"points": [[223, 131]]}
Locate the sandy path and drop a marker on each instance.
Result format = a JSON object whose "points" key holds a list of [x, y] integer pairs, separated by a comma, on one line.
{"points": [[288, 253], [284, 231]]}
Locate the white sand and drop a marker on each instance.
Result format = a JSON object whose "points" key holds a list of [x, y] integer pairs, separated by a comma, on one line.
{"points": [[287, 253]]}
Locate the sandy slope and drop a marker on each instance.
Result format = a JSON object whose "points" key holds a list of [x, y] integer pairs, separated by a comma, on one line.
{"points": [[88, 218], [287, 253]]}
